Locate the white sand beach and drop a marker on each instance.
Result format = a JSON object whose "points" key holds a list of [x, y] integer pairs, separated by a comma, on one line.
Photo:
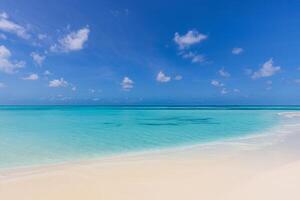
{"points": [[260, 168]]}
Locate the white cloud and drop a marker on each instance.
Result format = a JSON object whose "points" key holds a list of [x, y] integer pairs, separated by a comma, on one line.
{"points": [[9, 26], [47, 73], [58, 83], [72, 86], [31, 77], [4, 15], [198, 59], [224, 91], [74, 41], [42, 36], [178, 77], [37, 58], [127, 83], [2, 85], [6, 65], [217, 83], [236, 90], [224, 73], [267, 70], [4, 52], [161, 77], [195, 58], [221, 85], [237, 50], [190, 38]]}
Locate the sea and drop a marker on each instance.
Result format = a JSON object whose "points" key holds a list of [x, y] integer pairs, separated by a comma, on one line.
{"points": [[38, 135]]}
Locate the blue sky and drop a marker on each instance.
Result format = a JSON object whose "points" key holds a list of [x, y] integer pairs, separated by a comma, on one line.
{"points": [[157, 52]]}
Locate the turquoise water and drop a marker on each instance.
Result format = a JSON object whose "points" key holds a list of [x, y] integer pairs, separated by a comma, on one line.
{"points": [[34, 135]]}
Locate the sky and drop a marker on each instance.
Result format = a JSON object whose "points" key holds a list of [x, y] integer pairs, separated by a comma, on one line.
{"points": [[203, 52]]}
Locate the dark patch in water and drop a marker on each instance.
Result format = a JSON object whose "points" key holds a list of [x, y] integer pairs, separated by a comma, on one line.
{"points": [[160, 124], [113, 124], [176, 121], [179, 119]]}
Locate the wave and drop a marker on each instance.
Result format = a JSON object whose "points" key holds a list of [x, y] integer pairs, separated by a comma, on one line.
{"points": [[290, 114]]}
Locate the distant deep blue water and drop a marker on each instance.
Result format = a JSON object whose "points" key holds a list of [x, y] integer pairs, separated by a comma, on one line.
{"points": [[34, 135]]}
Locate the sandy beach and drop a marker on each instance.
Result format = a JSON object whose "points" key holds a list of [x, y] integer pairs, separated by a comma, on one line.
{"points": [[266, 167]]}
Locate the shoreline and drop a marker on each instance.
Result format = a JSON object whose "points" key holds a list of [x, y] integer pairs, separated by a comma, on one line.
{"points": [[262, 167], [268, 132]]}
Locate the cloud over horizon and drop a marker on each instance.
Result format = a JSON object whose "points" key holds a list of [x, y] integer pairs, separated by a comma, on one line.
{"points": [[217, 83], [58, 83], [73, 41], [31, 77], [6, 64], [127, 83], [9, 26], [192, 37], [195, 58], [37, 58], [268, 69], [237, 50], [224, 73], [163, 78]]}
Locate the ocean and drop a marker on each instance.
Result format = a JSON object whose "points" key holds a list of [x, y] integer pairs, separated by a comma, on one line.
{"points": [[37, 135]]}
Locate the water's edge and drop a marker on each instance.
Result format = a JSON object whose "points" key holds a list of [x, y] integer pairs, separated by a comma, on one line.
{"points": [[283, 128]]}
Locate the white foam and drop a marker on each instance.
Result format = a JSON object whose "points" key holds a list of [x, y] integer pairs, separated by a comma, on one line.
{"points": [[290, 114]]}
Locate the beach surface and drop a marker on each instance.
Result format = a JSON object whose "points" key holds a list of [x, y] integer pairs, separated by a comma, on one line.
{"points": [[263, 167]]}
